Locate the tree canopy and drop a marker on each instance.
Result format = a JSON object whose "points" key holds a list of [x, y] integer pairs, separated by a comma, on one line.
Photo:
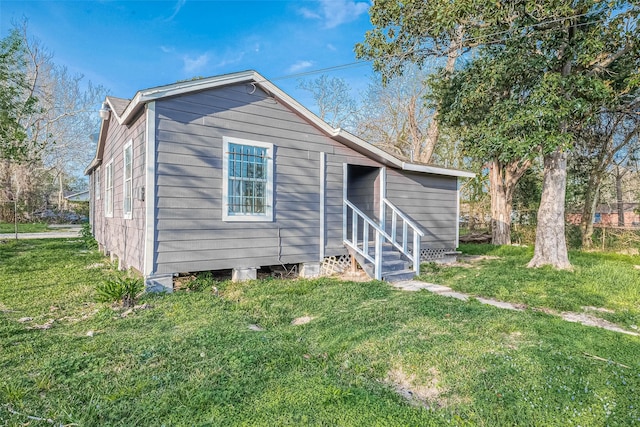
{"points": [[16, 100], [536, 74]]}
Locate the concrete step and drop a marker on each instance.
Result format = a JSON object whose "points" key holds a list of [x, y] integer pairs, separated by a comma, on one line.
{"points": [[395, 265], [388, 256], [398, 276]]}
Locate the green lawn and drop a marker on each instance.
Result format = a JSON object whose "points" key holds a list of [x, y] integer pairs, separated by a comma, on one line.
{"points": [[371, 355], [36, 227], [601, 280]]}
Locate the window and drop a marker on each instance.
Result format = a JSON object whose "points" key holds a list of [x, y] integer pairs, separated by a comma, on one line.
{"points": [[127, 189], [96, 183], [248, 180], [108, 189]]}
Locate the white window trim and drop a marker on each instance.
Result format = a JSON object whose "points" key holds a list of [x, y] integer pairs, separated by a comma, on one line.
{"points": [[268, 215], [96, 183], [108, 210], [125, 214]]}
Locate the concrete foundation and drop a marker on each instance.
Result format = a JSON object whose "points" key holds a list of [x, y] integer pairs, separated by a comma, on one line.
{"points": [[244, 274], [310, 269], [159, 283], [448, 258]]}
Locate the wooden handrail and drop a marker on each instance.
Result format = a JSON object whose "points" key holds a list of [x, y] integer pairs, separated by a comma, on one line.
{"points": [[381, 235], [404, 217]]}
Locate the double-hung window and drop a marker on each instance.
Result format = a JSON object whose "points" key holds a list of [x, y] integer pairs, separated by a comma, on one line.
{"points": [[108, 189], [247, 180], [127, 181]]}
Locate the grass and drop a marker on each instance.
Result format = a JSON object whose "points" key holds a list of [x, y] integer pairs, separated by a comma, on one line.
{"points": [[36, 227], [603, 280], [191, 358]]}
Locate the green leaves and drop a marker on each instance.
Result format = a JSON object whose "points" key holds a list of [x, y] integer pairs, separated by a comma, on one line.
{"points": [[125, 290], [16, 102]]}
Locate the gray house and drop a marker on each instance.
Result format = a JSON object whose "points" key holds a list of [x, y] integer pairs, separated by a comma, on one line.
{"points": [[229, 172]]}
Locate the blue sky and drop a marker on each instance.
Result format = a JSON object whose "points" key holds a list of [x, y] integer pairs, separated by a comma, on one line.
{"points": [[131, 45]]}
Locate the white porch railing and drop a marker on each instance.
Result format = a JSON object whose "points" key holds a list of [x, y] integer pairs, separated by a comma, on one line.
{"points": [[359, 238]]}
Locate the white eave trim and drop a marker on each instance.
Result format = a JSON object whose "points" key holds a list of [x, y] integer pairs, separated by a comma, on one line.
{"points": [[175, 89], [413, 167], [254, 78]]}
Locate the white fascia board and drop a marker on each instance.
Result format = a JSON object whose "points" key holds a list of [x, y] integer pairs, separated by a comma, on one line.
{"points": [[148, 95], [295, 105], [134, 105], [412, 167], [97, 160], [252, 77], [371, 150]]}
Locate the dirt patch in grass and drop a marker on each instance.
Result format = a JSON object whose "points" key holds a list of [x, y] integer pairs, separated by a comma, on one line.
{"points": [[354, 276], [430, 394], [513, 340], [302, 320], [477, 258]]}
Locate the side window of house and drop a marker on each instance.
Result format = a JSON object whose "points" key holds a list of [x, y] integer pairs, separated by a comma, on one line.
{"points": [[96, 183], [247, 180], [108, 189], [127, 181]]}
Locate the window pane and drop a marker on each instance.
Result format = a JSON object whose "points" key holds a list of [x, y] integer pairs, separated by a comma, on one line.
{"points": [[235, 188], [259, 208], [247, 189], [260, 187], [247, 179], [244, 169], [127, 197]]}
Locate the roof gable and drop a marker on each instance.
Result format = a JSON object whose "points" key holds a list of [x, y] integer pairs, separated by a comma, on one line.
{"points": [[125, 111]]}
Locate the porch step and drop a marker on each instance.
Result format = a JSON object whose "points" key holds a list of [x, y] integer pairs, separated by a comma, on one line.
{"points": [[395, 265], [397, 276]]}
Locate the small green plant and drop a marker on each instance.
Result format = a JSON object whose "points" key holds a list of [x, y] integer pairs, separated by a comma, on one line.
{"points": [[431, 267], [125, 290], [87, 236], [201, 282]]}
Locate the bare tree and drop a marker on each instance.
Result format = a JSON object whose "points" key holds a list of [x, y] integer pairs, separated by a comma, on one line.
{"points": [[333, 98], [58, 128]]}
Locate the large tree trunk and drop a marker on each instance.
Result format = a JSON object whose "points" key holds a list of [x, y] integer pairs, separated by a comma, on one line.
{"points": [[551, 244], [588, 211], [501, 207], [503, 179], [588, 214]]}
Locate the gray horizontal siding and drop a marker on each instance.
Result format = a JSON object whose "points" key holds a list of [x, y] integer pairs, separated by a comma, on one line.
{"points": [[190, 232], [122, 237], [240, 233], [429, 200], [243, 262], [248, 252]]}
